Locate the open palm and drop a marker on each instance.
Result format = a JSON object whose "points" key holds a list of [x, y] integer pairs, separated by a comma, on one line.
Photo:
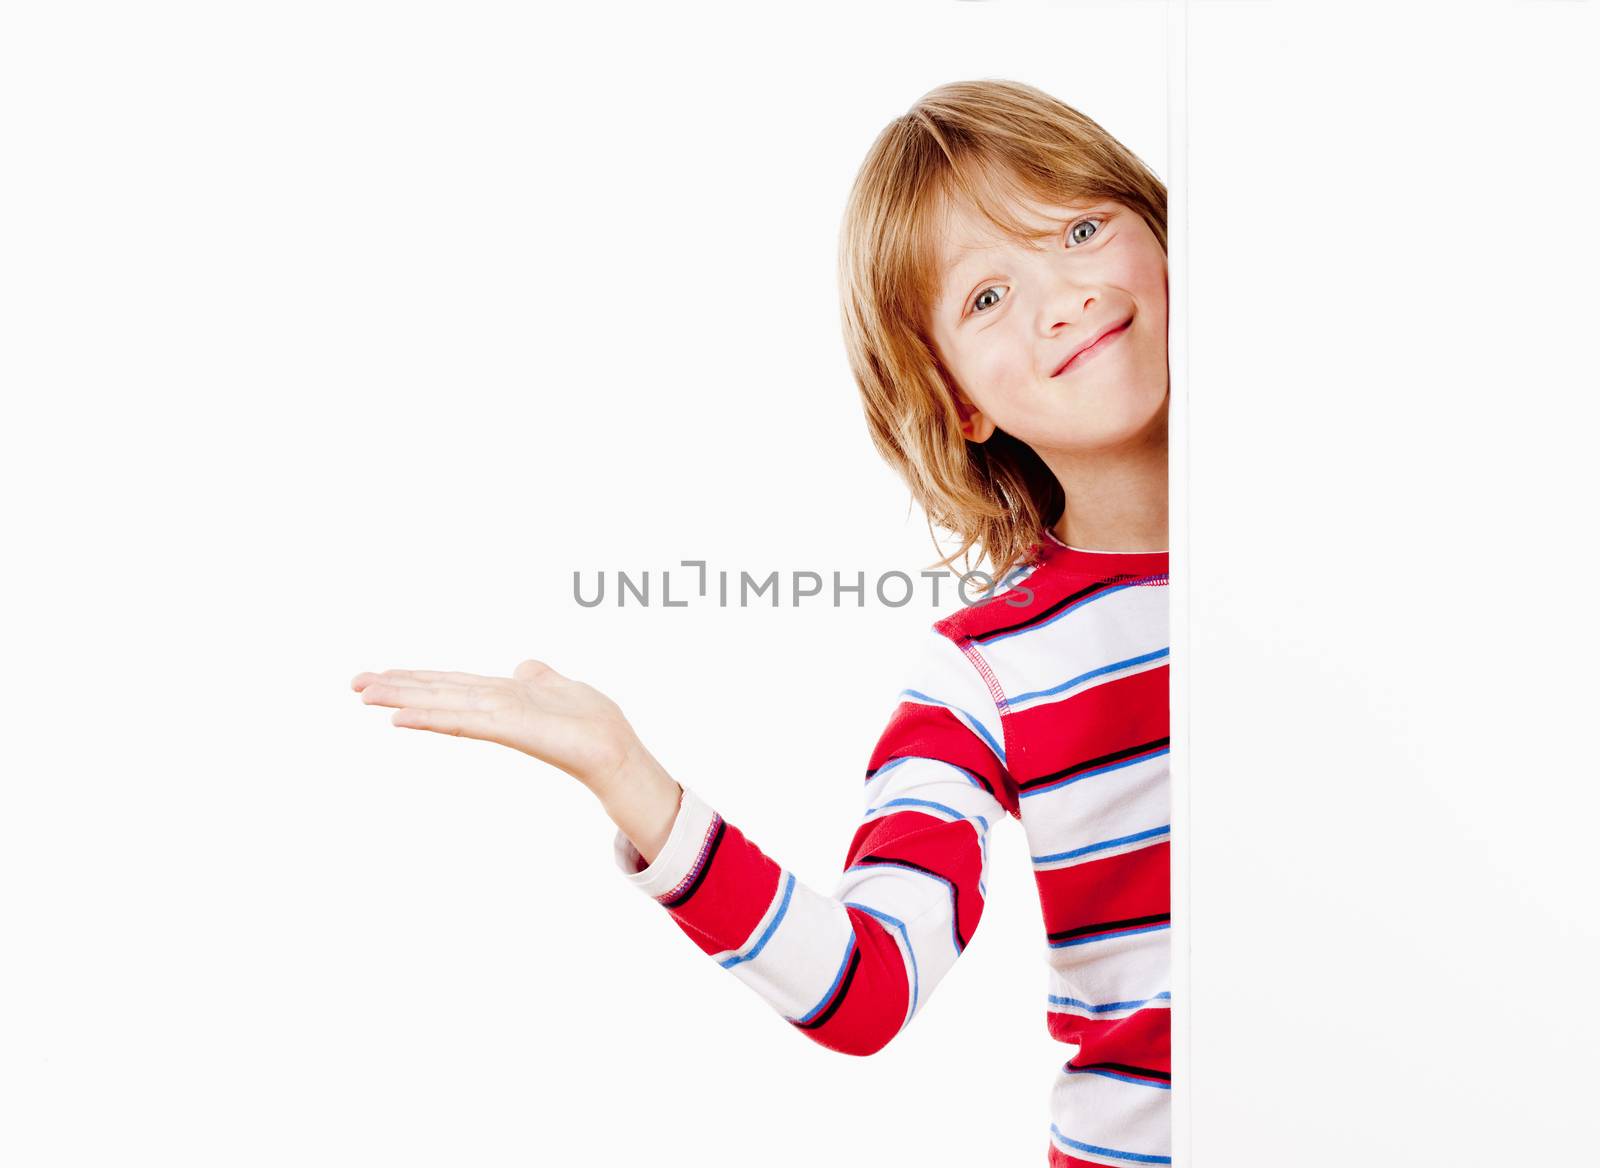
{"points": [[536, 710]]}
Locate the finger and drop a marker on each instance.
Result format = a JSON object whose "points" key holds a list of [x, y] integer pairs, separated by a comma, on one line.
{"points": [[442, 697], [432, 676], [458, 723], [361, 680]]}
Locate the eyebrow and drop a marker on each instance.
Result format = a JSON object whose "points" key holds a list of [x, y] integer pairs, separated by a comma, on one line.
{"points": [[946, 276], [1056, 217], [949, 291], [966, 254], [1072, 213], [1045, 231]]}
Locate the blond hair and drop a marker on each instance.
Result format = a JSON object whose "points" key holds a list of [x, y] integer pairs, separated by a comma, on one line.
{"points": [[968, 140]]}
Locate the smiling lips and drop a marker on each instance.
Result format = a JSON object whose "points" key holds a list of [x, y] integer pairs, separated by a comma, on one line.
{"points": [[1100, 343]]}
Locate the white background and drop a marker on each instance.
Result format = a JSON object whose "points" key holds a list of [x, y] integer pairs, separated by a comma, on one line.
{"points": [[337, 336]]}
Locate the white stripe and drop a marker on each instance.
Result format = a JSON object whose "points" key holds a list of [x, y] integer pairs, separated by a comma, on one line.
{"points": [[1118, 969], [801, 957], [922, 903], [942, 672], [933, 782], [1123, 625], [1109, 1113], [1116, 803]]}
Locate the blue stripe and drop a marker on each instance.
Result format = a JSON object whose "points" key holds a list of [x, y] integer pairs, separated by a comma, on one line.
{"points": [[1093, 673], [955, 937], [1107, 936], [1156, 1083], [971, 778], [987, 641], [1096, 1150], [1087, 849], [849, 948], [1108, 1007], [1110, 766], [788, 891], [892, 763], [904, 936], [972, 722], [909, 802]]}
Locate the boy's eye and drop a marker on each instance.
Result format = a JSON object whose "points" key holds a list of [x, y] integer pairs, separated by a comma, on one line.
{"points": [[1082, 231], [988, 298]]}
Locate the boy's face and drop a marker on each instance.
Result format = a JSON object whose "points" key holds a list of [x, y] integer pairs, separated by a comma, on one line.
{"points": [[1064, 347]]}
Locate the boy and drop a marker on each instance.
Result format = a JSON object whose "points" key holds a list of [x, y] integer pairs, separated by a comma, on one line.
{"points": [[1003, 268]]}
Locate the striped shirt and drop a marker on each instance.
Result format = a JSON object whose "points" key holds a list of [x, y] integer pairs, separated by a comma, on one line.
{"points": [[1047, 702]]}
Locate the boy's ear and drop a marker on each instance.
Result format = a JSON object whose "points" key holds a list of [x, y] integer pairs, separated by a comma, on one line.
{"points": [[976, 426]]}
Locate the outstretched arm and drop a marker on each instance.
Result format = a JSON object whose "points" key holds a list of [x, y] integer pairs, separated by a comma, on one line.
{"points": [[848, 969], [851, 969]]}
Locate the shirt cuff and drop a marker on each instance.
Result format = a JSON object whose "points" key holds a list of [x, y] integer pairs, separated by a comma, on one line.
{"points": [[683, 857]]}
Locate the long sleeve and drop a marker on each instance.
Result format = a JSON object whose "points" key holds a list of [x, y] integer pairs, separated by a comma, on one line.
{"points": [[850, 969]]}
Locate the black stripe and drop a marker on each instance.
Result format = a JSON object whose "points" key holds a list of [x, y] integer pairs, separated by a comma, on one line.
{"points": [[1090, 764], [838, 999], [955, 890], [1144, 1072], [1085, 930], [1037, 618], [699, 877]]}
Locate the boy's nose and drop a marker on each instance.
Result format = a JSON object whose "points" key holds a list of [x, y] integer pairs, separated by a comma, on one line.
{"points": [[1063, 309]]}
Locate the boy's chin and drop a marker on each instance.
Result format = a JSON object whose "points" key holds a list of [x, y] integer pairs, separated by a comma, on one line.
{"points": [[1138, 423]]}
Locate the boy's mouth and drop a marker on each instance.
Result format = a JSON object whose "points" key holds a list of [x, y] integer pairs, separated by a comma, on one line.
{"points": [[1101, 340]]}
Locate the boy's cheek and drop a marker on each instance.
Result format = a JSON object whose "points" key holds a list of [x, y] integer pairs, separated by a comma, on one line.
{"points": [[1001, 374], [994, 389], [1152, 285]]}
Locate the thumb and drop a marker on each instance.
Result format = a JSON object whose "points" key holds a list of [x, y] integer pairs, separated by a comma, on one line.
{"points": [[532, 670]]}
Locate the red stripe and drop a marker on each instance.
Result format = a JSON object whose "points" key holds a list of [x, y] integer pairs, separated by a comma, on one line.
{"points": [[874, 1005], [920, 731], [1055, 580], [946, 848], [1101, 720], [1134, 884], [1142, 1039], [739, 887], [734, 895]]}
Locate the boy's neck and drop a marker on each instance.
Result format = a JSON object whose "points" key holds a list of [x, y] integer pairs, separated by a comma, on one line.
{"points": [[1116, 500]]}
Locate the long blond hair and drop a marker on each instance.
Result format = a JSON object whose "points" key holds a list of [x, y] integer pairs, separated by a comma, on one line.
{"points": [[967, 140]]}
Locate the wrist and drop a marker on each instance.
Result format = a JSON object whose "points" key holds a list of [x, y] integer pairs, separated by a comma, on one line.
{"points": [[643, 801]]}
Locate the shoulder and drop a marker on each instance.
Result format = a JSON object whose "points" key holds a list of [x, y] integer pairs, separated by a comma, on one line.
{"points": [[950, 710], [951, 665], [1016, 598], [1076, 620]]}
